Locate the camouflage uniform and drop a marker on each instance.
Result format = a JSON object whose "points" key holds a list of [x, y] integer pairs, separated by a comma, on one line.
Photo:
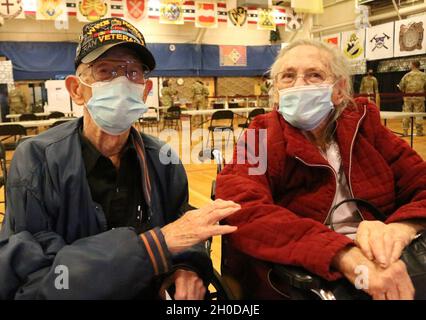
{"points": [[17, 102], [199, 96], [167, 94], [369, 86], [413, 82], [264, 91]]}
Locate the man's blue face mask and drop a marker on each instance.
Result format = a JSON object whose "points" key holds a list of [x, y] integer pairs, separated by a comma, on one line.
{"points": [[115, 105], [305, 107]]}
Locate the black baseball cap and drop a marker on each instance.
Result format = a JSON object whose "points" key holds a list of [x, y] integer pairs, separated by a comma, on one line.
{"points": [[99, 36]]}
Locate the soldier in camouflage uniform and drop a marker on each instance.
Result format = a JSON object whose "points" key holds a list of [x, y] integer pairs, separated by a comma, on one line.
{"points": [[199, 95], [17, 102], [370, 86], [167, 94], [413, 82], [264, 91]]}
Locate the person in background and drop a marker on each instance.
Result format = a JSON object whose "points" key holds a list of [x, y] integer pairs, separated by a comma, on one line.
{"points": [[413, 82], [322, 147], [17, 102], [200, 93], [168, 94], [370, 87], [92, 203]]}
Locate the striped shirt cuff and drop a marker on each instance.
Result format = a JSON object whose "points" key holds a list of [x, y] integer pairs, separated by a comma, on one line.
{"points": [[157, 250]]}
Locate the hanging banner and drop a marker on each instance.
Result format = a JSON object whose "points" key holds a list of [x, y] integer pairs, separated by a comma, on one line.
{"points": [[11, 9], [280, 15], [222, 13], [71, 7], [353, 44], [171, 12], [308, 6], [237, 17], [116, 8], [265, 19], [92, 10], [232, 56], [30, 7], [333, 39], [410, 36], [379, 41], [51, 10], [6, 72], [252, 15], [134, 10], [189, 11], [294, 21], [205, 15]]}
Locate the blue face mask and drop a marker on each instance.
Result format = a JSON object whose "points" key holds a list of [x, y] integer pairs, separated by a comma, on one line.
{"points": [[305, 107], [116, 105]]}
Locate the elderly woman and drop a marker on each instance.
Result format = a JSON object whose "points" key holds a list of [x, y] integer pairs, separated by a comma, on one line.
{"points": [[322, 148]]}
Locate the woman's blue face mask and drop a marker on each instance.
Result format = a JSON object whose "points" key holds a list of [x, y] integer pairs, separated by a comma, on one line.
{"points": [[305, 107]]}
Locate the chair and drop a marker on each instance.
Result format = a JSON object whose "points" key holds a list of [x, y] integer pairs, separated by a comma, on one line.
{"points": [[12, 130], [172, 117], [252, 114], [233, 105], [149, 119], [55, 115], [218, 105], [57, 123], [221, 116], [28, 117]]}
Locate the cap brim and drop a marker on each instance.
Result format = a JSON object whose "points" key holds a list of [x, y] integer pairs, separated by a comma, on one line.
{"points": [[146, 56]]}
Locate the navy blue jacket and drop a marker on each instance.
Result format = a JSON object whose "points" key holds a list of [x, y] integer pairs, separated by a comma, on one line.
{"points": [[53, 228]]}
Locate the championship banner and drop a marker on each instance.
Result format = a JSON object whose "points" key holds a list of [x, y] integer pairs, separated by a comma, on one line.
{"points": [[11, 9], [252, 15], [237, 17], [379, 41], [154, 9], [171, 12], [332, 39], [116, 8], [232, 56], [410, 36], [189, 11], [71, 7], [265, 19], [205, 15], [92, 10], [280, 15], [294, 21], [353, 44], [222, 13], [51, 10], [134, 10], [30, 7]]}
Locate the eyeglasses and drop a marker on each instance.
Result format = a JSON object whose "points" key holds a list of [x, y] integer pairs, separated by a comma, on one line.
{"points": [[288, 78], [108, 69]]}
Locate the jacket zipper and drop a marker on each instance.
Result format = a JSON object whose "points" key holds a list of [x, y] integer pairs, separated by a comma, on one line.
{"points": [[335, 177]]}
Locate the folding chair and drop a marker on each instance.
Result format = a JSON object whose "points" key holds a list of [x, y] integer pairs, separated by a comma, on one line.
{"points": [[12, 130], [56, 115], [217, 124]]}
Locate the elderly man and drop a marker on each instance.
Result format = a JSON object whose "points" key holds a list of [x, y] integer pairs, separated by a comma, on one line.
{"points": [[92, 212]]}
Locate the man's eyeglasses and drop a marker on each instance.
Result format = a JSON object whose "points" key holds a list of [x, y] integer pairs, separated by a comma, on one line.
{"points": [[288, 78], [109, 69]]}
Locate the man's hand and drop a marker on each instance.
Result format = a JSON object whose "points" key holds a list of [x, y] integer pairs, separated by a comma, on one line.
{"points": [[188, 284], [392, 283], [384, 243], [198, 225]]}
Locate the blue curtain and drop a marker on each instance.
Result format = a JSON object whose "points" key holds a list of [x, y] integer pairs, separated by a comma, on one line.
{"points": [[52, 60]]}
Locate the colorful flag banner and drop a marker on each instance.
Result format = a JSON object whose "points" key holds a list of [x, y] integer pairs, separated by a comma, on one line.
{"points": [[266, 19], [189, 11], [332, 39], [72, 7], [308, 6], [134, 10], [154, 9], [92, 10], [280, 15], [353, 44], [11, 9], [30, 7], [222, 13], [252, 15], [294, 21], [171, 12], [232, 56], [51, 10], [410, 36], [116, 8], [379, 41], [237, 17], [205, 15]]}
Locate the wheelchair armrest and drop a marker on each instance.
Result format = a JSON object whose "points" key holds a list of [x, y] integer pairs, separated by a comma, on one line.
{"points": [[297, 277]]}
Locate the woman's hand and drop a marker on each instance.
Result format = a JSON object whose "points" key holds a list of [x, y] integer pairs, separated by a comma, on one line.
{"points": [[384, 243]]}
